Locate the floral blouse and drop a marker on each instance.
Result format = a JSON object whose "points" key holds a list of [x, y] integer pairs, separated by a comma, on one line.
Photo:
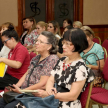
{"points": [[64, 77], [38, 69], [30, 38]]}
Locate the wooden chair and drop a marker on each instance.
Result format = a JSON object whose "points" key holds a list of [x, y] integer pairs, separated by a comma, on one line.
{"points": [[105, 44], [101, 98], [105, 53], [96, 39], [85, 96]]}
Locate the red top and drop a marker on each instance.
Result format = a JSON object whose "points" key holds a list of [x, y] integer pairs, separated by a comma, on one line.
{"points": [[19, 53]]}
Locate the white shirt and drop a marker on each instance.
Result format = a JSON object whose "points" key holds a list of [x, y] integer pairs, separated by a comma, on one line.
{"points": [[58, 36], [4, 52]]}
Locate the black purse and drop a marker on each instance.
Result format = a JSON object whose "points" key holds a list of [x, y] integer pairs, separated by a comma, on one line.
{"points": [[9, 96], [97, 72]]}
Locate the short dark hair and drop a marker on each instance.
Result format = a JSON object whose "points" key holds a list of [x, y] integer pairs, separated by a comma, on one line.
{"points": [[68, 21], [78, 39], [11, 33], [52, 40]]}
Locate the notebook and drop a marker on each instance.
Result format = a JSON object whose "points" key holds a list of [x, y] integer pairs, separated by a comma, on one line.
{"points": [[3, 68]]}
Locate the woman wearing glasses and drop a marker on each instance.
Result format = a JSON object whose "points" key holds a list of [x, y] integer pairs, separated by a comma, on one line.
{"points": [[70, 73], [18, 58], [92, 48], [5, 50], [40, 66]]}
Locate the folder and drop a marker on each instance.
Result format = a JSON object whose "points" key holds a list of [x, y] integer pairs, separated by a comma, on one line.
{"points": [[3, 68]]}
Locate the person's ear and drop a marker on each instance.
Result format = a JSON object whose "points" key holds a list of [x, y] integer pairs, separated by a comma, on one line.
{"points": [[49, 47]]}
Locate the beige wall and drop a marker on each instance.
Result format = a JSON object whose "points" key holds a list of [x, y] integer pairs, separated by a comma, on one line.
{"points": [[8, 11], [95, 12]]}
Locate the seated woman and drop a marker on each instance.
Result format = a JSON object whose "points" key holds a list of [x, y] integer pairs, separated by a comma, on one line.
{"points": [[60, 49], [28, 37], [53, 26], [40, 27], [77, 24], [18, 58], [67, 22], [70, 73], [92, 48], [5, 50], [40, 66]]}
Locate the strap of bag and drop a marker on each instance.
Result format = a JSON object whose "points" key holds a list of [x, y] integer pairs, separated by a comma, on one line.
{"points": [[31, 74], [89, 62], [33, 70]]}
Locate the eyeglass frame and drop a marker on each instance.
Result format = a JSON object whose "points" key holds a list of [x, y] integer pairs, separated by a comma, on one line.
{"points": [[5, 42], [67, 44], [40, 41]]}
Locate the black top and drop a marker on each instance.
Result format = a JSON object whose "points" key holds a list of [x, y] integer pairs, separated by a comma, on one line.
{"points": [[60, 50]]}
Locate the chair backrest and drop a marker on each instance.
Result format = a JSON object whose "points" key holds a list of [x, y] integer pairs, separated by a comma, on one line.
{"points": [[85, 96], [105, 70], [32, 55], [97, 40], [105, 53], [105, 44]]}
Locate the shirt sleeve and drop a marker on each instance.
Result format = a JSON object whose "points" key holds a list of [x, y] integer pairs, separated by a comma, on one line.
{"points": [[21, 54], [99, 52], [34, 36], [82, 73]]}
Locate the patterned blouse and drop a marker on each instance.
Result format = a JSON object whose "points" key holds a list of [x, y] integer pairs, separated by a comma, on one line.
{"points": [[30, 38], [64, 77], [42, 68]]}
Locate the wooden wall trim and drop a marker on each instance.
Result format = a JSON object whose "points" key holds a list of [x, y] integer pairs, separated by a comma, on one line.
{"points": [[23, 7], [49, 10], [20, 16], [76, 10]]}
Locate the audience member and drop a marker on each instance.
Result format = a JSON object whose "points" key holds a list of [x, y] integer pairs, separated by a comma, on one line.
{"points": [[53, 26], [18, 58], [29, 36], [67, 22], [5, 50], [40, 66], [60, 49], [41, 26], [70, 73], [92, 48], [77, 24]]}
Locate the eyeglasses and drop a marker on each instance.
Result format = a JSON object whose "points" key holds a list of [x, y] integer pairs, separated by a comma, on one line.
{"points": [[40, 42], [6, 41], [66, 43]]}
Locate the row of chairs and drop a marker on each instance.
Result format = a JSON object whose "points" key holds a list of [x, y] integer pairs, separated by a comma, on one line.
{"points": [[96, 95], [104, 44]]}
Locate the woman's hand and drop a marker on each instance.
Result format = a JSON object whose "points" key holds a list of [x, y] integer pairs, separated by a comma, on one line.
{"points": [[41, 93], [16, 89], [51, 91]]}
